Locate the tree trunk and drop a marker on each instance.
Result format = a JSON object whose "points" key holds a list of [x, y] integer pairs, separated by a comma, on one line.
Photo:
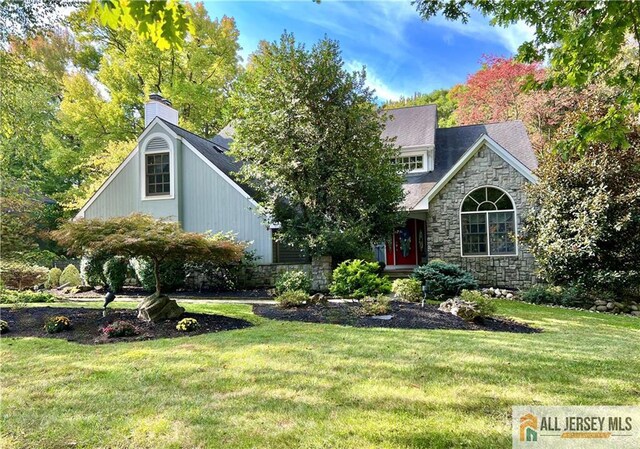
{"points": [[156, 274]]}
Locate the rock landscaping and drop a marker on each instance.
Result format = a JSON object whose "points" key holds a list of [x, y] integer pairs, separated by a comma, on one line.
{"points": [[403, 315], [88, 325], [601, 305], [502, 293]]}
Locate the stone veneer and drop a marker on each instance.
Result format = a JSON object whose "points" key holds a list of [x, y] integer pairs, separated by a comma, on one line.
{"points": [[319, 270], [486, 168]]}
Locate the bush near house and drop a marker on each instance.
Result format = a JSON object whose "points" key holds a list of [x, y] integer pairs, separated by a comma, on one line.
{"points": [[70, 276], [572, 296], [483, 305], [26, 296], [53, 278], [115, 271], [358, 279], [409, 290], [292, 298], [92, 269], [172, 274], [444, 279], [293, 280], [19, 275], [380, 305]]}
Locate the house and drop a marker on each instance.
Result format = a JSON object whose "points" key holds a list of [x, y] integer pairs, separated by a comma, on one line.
{"points": [[464, 187]]}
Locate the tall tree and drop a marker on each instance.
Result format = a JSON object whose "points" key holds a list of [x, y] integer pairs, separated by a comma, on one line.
{"points": [[585, 43], [491, 94], [308, 133]]}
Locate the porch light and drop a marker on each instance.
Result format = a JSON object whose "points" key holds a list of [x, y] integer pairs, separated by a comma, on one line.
{"points": [[425, 292]]}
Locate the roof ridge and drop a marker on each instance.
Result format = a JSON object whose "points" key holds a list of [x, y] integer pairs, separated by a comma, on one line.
{"points": [[409, 107]]}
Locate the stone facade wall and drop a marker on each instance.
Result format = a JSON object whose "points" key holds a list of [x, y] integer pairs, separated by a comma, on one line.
{"points": [[486, 168], [319, 270]]}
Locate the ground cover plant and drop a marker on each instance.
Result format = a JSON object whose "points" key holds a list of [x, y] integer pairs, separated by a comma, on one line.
{"points": [[290, 384]]}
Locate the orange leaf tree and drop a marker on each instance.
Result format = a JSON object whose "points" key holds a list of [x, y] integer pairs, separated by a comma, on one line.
{"points": [[139, 235]]}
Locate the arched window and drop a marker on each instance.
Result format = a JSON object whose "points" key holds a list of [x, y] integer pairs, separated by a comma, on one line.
{"points": [[488, 223]]}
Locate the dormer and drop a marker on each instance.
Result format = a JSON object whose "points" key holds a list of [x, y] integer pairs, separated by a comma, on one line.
{"points": [[414, 129]]}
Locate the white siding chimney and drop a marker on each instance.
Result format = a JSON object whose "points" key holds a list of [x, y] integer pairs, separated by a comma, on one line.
{"points": [[159, 107]]}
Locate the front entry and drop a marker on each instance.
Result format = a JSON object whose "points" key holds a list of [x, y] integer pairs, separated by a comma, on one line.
{"points": [[407, 246]]}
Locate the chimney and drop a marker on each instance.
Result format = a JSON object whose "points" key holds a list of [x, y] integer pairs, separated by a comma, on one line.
{"points": [[157, 106]]}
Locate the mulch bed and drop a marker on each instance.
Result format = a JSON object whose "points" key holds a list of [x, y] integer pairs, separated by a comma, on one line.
{"points": [[405, 316], [87, 324]]}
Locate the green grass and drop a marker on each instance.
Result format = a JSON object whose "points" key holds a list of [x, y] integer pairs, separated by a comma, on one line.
{"points": [[296, 385]]}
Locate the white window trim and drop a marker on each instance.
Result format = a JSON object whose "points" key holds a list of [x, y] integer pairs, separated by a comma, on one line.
{"points": [[426, 151], [143, 168], [515, 224]]}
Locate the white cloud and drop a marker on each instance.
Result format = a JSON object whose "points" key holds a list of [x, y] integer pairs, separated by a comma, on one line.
{"points": [[383, 90]]}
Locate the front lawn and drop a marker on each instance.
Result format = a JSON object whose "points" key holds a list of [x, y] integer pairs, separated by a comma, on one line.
{"points": [[300, 385]]}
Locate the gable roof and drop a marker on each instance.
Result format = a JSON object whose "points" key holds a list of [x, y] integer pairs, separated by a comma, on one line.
{"points": [[452, 143], [214, 151], [412, 126]]}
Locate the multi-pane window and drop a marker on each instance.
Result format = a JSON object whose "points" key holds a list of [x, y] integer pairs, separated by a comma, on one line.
{"points": [[158, 179], [488, 223], [409, 163]]}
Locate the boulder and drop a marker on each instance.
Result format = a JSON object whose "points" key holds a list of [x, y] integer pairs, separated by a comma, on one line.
{"points": [[159, 308], [601, 308], [636, 313], [634, 307], [458, 307], [318, 298], [509, 295], [610, 305], [600, 302]]}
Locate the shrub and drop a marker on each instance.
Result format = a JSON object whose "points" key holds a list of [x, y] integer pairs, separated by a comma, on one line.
{"points": [[292, 298], [227, 276], [188, 325], [20, 275], [92, 269], [485, 307], [293, 280], [357, 278], [120, 329], [375, 306], [409, 290], [57, 324], [572, 296], [27, 296], [4, 327], [70, 276], [115, 272], [53, 278], [172, 274], [444, 279]]}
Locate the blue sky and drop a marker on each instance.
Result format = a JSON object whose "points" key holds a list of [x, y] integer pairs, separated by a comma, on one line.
{"points": [[402, 53]]}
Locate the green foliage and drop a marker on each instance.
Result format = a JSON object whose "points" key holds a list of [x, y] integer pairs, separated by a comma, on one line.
{"points": [[485, 307], [292, 298], [4, 327], [188, 325], [144, 237], [56, 324], [172, 274], [293, 280], [92, 269], [357, 279], [163, 22], [70, 276], [53, 278], [309, 136], [584, 45], [444, 279], [587, 218], [19, 275], [120, 328], [380, 305], [26, 296], [442, 98], [115, 271], [572, 296], [409, 290]]}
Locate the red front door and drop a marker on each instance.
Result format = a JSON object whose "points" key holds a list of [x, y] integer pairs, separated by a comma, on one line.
{"points": [[402, 250]]}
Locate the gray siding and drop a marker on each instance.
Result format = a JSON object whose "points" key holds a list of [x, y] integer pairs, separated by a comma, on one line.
{"points": [[443, 228], [212, 204], [202, 200]]}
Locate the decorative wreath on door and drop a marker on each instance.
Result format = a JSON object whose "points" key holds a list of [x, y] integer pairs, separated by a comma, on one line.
{"points": [[405, 242]]}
